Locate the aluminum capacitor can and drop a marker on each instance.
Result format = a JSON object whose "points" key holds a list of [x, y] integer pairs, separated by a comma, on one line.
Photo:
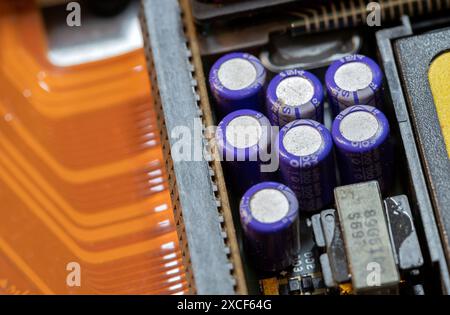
{"points": [[353, 80], [270, 220], [305, 150], [237, 81], [243, 139], [294, 94], [364, 150]]}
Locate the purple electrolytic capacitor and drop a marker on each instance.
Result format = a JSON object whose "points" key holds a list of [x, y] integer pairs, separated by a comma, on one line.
{"points": [[270, 220], [364, 151], [305, 150], [243, 138], [237, 82], [353, 80], [294, 94]]}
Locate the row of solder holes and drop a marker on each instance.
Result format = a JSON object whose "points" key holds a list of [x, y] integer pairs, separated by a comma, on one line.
{"points": [[169, 167], [211, 163]]}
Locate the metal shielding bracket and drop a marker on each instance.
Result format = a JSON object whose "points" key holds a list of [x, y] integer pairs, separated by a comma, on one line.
{"points": [[419, 191]]}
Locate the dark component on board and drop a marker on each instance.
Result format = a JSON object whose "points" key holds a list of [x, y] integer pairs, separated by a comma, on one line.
{"points": [[368, 236]]}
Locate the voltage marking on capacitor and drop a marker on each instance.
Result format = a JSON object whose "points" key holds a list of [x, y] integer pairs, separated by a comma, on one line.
{"points": [[353, 80], [243, 139], [364, 150], [237, 81], [270, 219], [306, 163], [294, 94]]}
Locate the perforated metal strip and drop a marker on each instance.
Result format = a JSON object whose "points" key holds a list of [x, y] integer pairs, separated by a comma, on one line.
{"points": [[196, 206]]}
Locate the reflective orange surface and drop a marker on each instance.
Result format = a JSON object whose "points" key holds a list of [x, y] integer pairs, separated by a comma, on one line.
{"points": [[82, 175]]}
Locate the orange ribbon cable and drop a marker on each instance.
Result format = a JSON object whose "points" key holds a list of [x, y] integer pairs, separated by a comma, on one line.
{"points": [[85, 206]]}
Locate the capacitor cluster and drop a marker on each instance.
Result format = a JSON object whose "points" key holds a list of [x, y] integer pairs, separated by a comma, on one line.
{"points": [[306, 150]]}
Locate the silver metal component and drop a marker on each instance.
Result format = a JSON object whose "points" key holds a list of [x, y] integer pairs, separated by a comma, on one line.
{"points": [[237, 74], [302, 140], [96, 39], [368, 247], [353, 76], [418, 289], [403, 234], [319, 236], [328, 235], [327, 274], [308, 52], [359, 126], [294, 91], [243, 132], [328, 221], [269, 205]]}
